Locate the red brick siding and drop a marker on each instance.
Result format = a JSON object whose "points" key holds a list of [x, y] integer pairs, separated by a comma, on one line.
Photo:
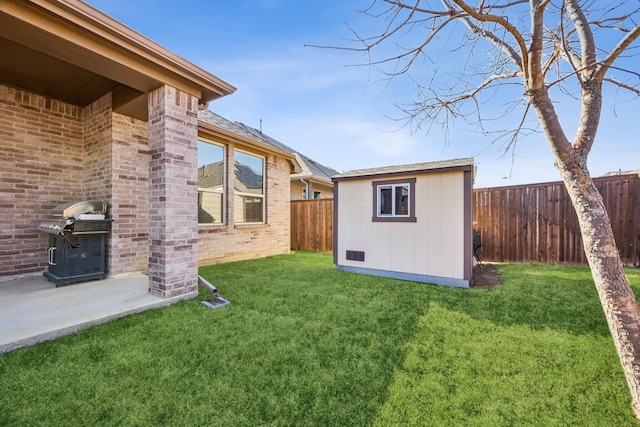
{"points": [[129, 244], [173, 221], [97, 149], [97, 182], [40, 167], [53, 153]]}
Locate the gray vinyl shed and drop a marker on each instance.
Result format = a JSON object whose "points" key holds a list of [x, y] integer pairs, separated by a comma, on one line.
{"points": [[410, 222]]}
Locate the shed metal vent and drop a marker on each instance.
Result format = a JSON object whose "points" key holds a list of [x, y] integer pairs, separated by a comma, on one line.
{"points": [[355, 256]]}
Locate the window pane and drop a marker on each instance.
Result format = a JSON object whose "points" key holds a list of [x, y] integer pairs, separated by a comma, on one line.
{"points": [[210, 166], [210, 183], [248, 209], [210, 208], [385, 200], [402, 200], [249, 172]]}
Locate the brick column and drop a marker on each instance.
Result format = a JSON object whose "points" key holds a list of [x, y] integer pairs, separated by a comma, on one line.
{"points": [[173, 192]]}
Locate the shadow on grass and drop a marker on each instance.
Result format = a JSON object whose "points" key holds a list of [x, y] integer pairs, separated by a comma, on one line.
{"points": [[539, 296], [460, 371]]}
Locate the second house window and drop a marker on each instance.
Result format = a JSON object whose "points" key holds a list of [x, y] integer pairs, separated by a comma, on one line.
{"points": [[211, 186], [248, 198]]}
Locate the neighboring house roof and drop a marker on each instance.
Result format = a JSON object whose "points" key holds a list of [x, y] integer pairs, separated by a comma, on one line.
{"points": [[310, 169], [313, 170], [439, 166], [211, 175], [248, 180]]}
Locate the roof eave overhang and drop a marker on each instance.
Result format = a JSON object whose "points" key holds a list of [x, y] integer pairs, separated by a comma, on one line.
{"points": [[210, 86], [311, 177], [77, 33]]}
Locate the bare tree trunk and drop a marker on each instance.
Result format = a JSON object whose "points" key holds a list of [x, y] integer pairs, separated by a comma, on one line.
{"points": [[616, 296], [618, 301]]}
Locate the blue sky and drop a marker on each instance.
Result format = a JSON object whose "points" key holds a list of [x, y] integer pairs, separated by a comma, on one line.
{"points": [[322, 103]]}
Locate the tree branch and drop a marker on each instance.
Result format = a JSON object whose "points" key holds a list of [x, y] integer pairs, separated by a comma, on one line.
{"points": [[452, 104], [572, 58], [535, 74], [490, 36], [633, 89], [501, 21], [588, 45], [615, 53]]}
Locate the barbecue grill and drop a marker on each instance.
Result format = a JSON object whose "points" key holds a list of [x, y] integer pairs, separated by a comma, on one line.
{"points": [[77, 233]]}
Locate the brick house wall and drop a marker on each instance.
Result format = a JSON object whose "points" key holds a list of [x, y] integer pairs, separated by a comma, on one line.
{"points": [[41, 166], [129, 242], [97, 162]]}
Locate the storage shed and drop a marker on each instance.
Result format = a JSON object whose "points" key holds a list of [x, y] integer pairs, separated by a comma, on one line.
{"points": [[410, 222]]}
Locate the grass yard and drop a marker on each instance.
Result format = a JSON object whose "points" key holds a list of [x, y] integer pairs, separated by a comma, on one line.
{"points": [[304, 345]]}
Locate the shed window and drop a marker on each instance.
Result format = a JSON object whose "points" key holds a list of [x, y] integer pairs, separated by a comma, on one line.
{"points": [[210, 183], [394, 200], [248, 200]]}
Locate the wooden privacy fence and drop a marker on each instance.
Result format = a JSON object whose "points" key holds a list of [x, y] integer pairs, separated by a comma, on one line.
{"points": [[312, 225], [537, 223], [529, 223]]}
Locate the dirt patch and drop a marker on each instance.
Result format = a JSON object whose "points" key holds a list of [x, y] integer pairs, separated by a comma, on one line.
{"points": [[485, 277]]}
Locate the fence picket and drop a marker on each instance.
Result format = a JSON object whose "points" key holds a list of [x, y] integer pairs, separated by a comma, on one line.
{"points": [[537, 223]]}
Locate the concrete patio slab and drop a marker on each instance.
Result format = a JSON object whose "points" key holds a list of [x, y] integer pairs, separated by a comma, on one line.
{"points": [[33, 310]]}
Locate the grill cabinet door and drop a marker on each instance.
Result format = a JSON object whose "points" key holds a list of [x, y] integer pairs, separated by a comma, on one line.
{"points": [[76, 257]]}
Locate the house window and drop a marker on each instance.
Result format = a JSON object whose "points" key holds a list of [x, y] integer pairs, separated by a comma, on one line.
{"points": [[394, 200], [210, 183], [248, 200], [317, 194]]}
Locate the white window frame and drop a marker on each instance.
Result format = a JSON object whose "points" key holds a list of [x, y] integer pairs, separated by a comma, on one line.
{"points": [[222, 190], [254, 195]]}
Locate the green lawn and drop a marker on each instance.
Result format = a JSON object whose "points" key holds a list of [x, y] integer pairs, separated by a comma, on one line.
{"points": [[302, 344]]}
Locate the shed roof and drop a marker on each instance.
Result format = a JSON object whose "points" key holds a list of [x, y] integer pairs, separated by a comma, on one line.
{"points": [[414, 168]]}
